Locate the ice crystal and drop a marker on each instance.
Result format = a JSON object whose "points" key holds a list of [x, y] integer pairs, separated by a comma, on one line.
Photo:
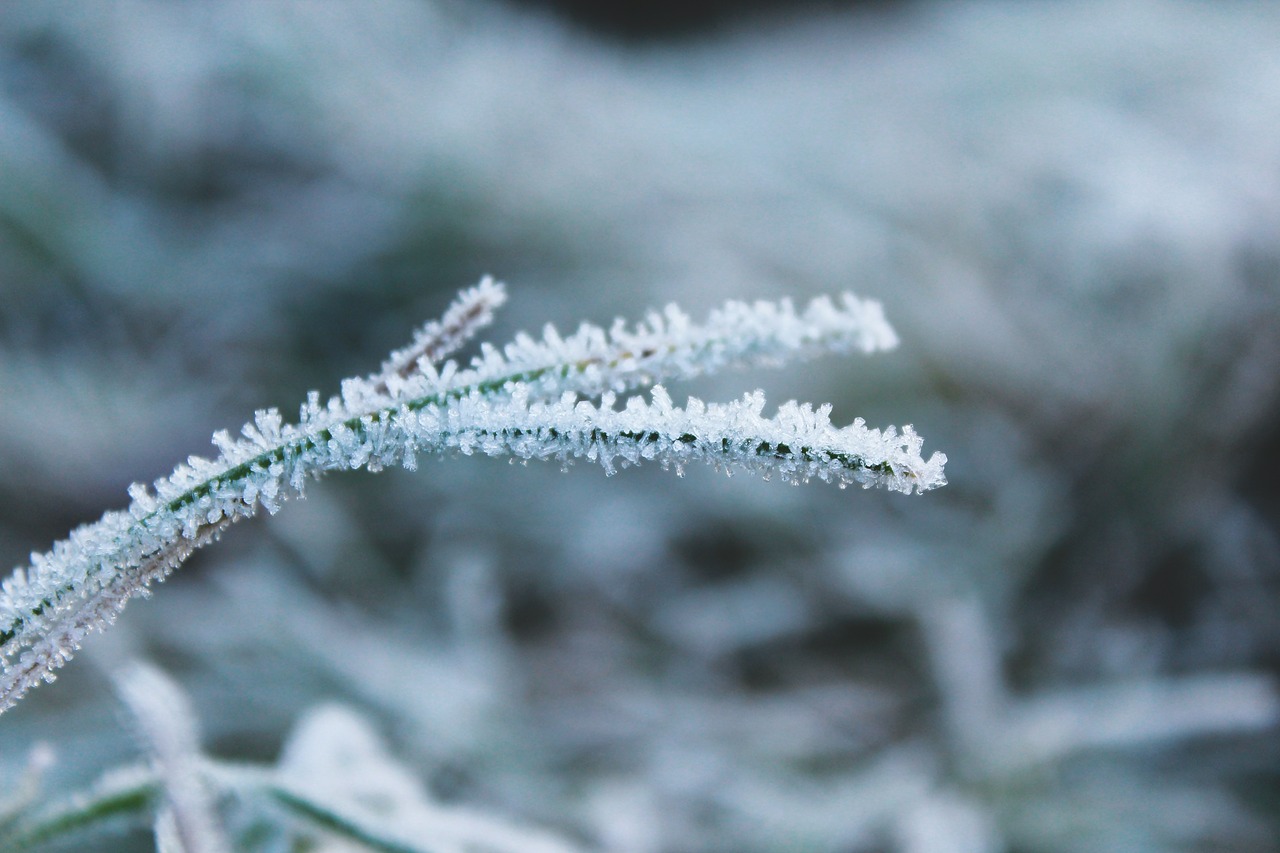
{"points": [[533, 399]]}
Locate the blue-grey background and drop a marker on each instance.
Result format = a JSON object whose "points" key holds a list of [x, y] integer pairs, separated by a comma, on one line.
{"points": [[1071, 211]]}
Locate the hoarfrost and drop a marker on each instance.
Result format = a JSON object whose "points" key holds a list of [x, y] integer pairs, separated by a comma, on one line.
{"points": [[530, 400]]}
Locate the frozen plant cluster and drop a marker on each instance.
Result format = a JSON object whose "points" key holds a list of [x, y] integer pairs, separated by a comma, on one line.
{"points": [[336, 789], [530, 400]]}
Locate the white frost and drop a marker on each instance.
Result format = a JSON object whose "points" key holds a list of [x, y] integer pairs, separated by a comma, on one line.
{"points": [[532, 399]]}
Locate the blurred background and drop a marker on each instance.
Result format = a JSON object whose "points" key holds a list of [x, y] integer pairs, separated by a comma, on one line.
{"points": [[1071, 211]]}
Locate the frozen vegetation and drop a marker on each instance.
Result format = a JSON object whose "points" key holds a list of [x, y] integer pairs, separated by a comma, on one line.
{"points": [[525, 401], [1069, 213]]}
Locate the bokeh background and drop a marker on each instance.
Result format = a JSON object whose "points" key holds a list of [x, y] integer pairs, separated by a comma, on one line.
{"points": [[1071, 211]]}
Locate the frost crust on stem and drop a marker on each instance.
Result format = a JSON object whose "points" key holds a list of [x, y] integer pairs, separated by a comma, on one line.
{"points": [[532, 399]]}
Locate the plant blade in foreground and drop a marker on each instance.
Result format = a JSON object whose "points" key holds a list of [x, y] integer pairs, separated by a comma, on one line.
{"points": [[531, 400]]}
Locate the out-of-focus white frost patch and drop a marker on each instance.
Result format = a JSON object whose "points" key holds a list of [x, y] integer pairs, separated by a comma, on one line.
{"points": [[335, 756]]}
